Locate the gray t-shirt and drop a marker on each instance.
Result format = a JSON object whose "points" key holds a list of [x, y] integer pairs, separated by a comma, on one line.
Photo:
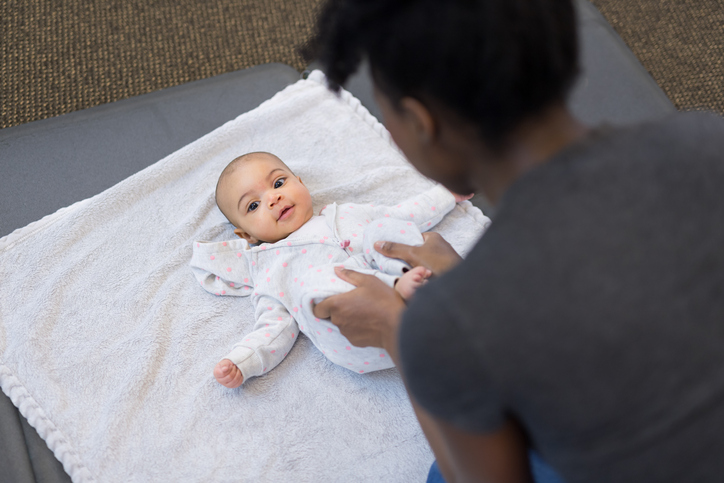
{"points": [[592, 310]]}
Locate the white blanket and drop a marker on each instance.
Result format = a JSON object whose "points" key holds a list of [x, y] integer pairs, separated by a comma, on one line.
{"points": [[107, 344]]}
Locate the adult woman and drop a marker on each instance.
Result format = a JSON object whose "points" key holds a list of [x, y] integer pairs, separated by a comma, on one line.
{"points": [[586, 323]]}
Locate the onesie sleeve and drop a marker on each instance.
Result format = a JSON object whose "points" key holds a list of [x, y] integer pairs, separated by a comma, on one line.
{"points": [[426, 209], [274, 333], [221, 268]]}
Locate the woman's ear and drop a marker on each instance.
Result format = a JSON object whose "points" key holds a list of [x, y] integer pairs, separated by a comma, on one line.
{"points": [[242, 234], [419, 118]]}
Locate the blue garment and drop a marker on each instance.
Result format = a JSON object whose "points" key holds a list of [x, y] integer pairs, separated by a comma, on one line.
{"points": [[542, 473]]}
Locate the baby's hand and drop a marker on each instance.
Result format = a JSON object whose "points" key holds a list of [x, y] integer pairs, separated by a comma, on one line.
{"points": [[227, 374], [459, 198]]}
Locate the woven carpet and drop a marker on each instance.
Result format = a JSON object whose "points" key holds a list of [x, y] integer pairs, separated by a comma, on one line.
{"points": [[58, 57]]}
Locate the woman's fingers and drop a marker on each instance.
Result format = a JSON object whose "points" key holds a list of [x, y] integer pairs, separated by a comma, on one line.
{"points": [[435, 254], [397, 250]]}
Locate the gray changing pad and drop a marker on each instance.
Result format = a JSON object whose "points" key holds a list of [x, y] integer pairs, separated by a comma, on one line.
{"points": [[49, 164]]}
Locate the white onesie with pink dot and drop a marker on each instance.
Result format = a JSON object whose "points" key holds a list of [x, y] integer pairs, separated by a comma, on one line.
{"points": [[285, 279]]}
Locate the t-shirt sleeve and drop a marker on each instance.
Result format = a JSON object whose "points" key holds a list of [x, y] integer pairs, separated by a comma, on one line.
{"points": [[441, 371]]}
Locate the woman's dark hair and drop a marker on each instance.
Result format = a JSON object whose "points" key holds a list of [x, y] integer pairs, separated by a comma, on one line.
{"points": [[492, 62]]}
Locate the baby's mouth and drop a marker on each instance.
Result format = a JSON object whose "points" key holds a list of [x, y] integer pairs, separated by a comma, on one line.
{"points": [[285, 213]]}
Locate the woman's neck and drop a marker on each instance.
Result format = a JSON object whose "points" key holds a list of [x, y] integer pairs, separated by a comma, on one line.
{"points": [[533, 143]]}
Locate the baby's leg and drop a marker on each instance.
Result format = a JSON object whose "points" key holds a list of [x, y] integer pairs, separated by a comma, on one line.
{"points": [[389, 229], [325, 335]]}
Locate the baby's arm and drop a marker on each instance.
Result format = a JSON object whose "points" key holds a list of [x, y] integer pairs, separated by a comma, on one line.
{"points": [[261, 350]]}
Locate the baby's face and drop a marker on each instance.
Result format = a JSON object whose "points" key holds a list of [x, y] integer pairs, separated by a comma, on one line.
{"points": [[264, 200]]}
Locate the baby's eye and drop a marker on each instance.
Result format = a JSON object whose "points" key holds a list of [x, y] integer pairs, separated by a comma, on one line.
{"points": [[253, 206], [278, 183]]}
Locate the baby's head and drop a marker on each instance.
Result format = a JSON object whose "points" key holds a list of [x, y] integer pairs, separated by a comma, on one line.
{"points": [[262, 198]]}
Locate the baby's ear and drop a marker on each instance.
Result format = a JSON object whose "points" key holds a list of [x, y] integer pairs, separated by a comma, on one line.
{"points": [[242, 234], [300, 180]]}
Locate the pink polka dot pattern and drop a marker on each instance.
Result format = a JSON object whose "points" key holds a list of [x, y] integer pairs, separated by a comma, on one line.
{"points": [[212, 257], [228, 269], [304, 250]]}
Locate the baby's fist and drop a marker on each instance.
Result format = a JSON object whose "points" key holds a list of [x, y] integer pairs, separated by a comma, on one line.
{"points": [[227, 374]]}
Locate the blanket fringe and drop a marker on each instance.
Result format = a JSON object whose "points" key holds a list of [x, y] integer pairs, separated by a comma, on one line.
{"points": [[36, 417]]}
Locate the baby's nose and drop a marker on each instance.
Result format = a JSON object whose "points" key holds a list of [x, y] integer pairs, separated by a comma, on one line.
{"points": [[274, 198]]}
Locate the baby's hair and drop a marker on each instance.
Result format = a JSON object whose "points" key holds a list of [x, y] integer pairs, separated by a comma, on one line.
{"points": [[233, 166]]}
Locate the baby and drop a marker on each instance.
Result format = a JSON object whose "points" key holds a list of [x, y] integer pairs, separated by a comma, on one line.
{"points": [[284, 259]]}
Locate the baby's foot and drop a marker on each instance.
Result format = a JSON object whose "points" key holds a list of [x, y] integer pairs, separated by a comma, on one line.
{"points": [[411, 280], [227, 374]]}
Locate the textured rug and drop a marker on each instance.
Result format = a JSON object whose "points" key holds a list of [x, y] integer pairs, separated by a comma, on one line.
{"points": [[681, 44], [58, 57]]}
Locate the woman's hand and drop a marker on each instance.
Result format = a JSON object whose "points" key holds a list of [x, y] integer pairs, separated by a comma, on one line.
{"points": [[435, 253], [368, 315]]}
